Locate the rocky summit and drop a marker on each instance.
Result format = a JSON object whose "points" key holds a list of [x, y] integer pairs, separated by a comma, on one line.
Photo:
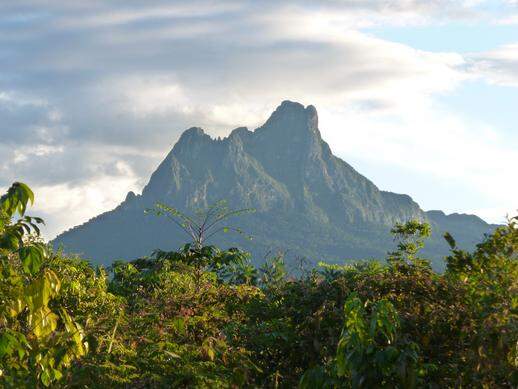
{"points": [[309, 203]]}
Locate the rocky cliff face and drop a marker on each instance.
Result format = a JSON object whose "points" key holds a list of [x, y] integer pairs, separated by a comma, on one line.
{"points": [[308, 201]]}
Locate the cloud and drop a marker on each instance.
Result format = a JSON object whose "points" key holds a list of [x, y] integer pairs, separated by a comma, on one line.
{"points": [[28, 120], [126, 80], [509, 20], [472, 163], [93, 94], [499, 66], [64, 206]]}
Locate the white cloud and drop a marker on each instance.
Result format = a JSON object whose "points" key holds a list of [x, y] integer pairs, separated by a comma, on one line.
{"points": [[508, 20], [22, 155], [320, 67], [116, 17], [144, 97], [499, 66], [438, 145], [63, 206]]}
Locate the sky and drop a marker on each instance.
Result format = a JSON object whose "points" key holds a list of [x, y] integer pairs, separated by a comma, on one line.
{"points": [[419, 96]]}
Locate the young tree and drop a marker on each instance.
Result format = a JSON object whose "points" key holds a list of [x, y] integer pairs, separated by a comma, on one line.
{"points": [[205, 223], [410, 237]]}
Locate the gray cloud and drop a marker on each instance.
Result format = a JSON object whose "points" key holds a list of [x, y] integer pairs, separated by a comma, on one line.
{"points": [[82, 57], [27, 122], [96, 89], [71, 164]]}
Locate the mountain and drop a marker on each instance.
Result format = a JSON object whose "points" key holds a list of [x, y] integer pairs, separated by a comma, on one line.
{"points": [[309, 203]]}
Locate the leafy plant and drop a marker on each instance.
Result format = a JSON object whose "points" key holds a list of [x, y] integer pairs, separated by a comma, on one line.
{"points": [[490, 277], [205, 223], [410, 237], [273, 272], [371, 351], [37, 341]]}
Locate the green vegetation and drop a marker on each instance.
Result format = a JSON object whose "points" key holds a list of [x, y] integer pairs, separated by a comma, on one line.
{"points": [[205, 317], [38, 340], [204, 224]]}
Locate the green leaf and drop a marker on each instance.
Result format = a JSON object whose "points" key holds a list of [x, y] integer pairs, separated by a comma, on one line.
{"points": [[179, 325], [43, 322], [9, 240], [57, 374], [32, 257], [173, 355], [450, 240], [45, 377], [16, 199]]}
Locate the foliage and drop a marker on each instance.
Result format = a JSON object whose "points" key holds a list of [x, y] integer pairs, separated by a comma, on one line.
{"points": [[410, 236], [370, 351], [204, 224], [37, 340], [205, 317], [174, 330], [489, 277], [208, 258]]}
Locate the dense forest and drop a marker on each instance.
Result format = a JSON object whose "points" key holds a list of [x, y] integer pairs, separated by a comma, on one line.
{"points": [[206, 317]]}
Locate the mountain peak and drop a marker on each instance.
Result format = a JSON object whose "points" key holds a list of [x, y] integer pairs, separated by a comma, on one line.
{"points": [[293, 108], [290, 105], [292, 118], [193, 132], [240, 131], [192, 137], [308, 201]]}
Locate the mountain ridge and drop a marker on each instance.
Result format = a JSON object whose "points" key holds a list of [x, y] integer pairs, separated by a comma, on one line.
{"points": [[303, 194]]}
